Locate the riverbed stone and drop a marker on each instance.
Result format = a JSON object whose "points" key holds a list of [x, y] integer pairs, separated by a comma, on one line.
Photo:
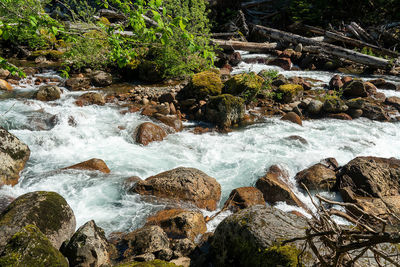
{"points": [[5, 85], [225, 110], [335, 83], [394, 101], [48, 93], [374, 111], [315, 107], [206, 83], [77, 83], [244, 197], [246, 85], [148, 132], [13, 156], [170, 120], [187, 184], [354, 88], [340, 116], [283, 62], [90, 98], [179, 224], [317, 177], [100, 78], [335, 105], [4, 74], [292, 117], [288, 93], [91, 165], [30, 247], [47, 210], [383, 84], [251, 237], [88, 247]]}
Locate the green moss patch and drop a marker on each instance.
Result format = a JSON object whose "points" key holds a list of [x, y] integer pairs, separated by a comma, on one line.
{"points": [[206, 83], [288, 92], [154, 263], [245, 85]]}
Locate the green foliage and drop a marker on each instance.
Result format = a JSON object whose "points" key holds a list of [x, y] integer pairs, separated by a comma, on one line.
{"points": [[11, 68]]}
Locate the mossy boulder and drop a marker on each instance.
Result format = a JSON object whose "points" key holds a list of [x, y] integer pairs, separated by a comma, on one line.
{"points": [[355, 88], [48, 93], [206, 83], [288, 93], [30, 247], [13, 156], [335, 105], [47, 210], [252, 237], [49, 54], [154, 263], [245, 85], [225, 110]]}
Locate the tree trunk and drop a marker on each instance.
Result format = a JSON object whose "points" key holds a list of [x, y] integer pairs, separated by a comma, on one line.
{"points": [[246, 46]]}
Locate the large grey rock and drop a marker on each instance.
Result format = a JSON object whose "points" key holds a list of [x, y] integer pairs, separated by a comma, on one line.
{"points": [[315, 106], [101, 78], [48, 93], [13, 156], [375, 112], [88, 247], [246, 237], [47, 210], [225, 110]]}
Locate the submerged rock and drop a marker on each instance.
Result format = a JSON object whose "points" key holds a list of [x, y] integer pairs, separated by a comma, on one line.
{"points": [[88, 247], [48, 93], [91, 165], [244, 197], [148, 132], [179, 224], [30, 247], [47, 210], [187, 184], [13, 156]]}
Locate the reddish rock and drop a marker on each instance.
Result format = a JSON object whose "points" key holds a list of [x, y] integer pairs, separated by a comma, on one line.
{"points": [[244, 197], [148, 132], [5, 85], [382, 84], [91, 165], [179, 224], [77, 84], [186, 184], [317, 177], [284, 63], [292, 117], [90, 98], [170, 120], [346, 79], [394, 101], [340, 116], [335, 83], [370, 88], [149, 111]]}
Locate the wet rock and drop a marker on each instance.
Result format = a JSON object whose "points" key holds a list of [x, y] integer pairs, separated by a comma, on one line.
{"points": [[148, 132], [206, 83], [347, 79], [335, 83], [375, 112], [340, 116], [275, 188], [88, 247], [187, 184], [170, 120], [47, 210], [382, 84], [247, 85], [315, 107], [167, 97], [77, 83], [355, 103], [90, 98], [335, 105], [289, 93], [179, 224], [48, 93], [4, 74], [297, 138], [355, 113], [225, 110], [91, 165], [13, 156], [394, 101], [370, 88], [354, 88], [239, 238], [5, 85], [317, 177], [292, 117], [100, 78], [284, 63], [30, 247], [183, 247], [244, 197], [235, 58]]}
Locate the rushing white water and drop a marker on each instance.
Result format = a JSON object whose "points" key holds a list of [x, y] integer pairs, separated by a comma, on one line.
{"points": [[235, 159]]}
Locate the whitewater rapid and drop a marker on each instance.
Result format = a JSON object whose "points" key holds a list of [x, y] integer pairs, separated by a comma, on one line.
{"points": [[235, 159]]}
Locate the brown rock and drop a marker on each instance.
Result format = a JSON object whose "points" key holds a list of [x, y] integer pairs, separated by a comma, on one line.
{"points": [[394, 101], [167, 97], [90, 98], [375, 112], [382, 84], [340, 116], [91, 165], [77, 84], [244, 197], [317, 177], [275, 189], [335, 83], [4, 74], [5, 85], [170, 120], [179, 224], [187, 184], [284, 63], [292, 117], [354, 88], [148, 132], [370, 88], [48, 93], [346, 79], [355, 113], [149, 110]]}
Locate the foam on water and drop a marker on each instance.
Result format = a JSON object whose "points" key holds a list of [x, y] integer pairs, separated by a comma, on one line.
{"points": [[235, 159]]}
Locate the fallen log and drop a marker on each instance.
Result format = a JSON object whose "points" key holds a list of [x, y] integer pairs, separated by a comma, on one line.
{"points": [[246, 46], [326, 48], [362, 32]]}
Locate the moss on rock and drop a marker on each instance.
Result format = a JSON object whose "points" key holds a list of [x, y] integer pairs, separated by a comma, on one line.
{"points": [[289, 92], [225, 110], [206, 83], [245, 85], [154, 263], [30, 247]]}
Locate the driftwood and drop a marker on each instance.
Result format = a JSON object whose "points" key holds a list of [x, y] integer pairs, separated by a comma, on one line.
{"points": [[362, 32], [246, 46], [326, 48]]}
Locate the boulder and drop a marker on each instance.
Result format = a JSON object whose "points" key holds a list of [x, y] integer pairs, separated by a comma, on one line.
{"points": [[335, 83], [370, 88], [394, 101], [5, 85], [179, 224], [354, 88], [77, 83], [148, 132], [335, 105], [315, 107], [317, 177], [340, 116], [88, 247], [245, 85], [382, 84], [13, 156], [170, 120], [90, 98], [225, 110], [244, 197], [167, 97], [183, 247], [48, 93], [274, 188], [251, 237], [288, 93], [30, 247], [100, 78], [206, 83], [284, 63], [374, 112], [292, 117], [355, 113], [91, 165], [4, 74], [187, 184], [355, 103], [47, 210]]}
